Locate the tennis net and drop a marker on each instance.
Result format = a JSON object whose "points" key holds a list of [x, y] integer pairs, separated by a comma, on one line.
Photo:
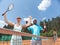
{"points": [[5, 38]]}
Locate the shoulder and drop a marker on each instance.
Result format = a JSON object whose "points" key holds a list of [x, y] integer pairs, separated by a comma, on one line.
{"points": [[30, 27]]}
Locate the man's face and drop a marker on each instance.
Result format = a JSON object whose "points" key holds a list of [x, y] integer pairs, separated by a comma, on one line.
{"points": [[35, 22]]}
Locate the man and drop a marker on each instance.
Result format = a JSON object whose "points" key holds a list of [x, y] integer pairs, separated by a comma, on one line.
{"points": [[55, 35], [35, 29]]}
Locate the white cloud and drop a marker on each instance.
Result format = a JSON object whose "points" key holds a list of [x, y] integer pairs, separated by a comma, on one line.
{"points": [[2, 23], [44, 5]]}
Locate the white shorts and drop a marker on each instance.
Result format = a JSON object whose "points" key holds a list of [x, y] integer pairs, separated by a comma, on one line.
{"points": [[36, 42]]}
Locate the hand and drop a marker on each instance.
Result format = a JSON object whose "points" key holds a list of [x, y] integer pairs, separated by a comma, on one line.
{"points": [[4, 13], [30, 17]]}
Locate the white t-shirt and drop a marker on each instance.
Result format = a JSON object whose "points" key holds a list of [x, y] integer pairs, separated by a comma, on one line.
{"points": [[18, 29]]}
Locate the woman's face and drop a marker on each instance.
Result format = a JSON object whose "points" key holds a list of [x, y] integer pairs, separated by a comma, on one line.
{"points": [[18, 20]]}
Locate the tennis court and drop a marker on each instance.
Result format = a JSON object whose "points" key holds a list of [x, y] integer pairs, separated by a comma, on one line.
{"points": [[27, 42]]}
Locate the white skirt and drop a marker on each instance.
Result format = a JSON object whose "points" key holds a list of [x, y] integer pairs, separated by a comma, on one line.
{"points": [[16, 40]]}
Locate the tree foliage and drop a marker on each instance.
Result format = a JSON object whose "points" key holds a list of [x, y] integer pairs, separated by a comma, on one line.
{"points": [[51, 24]]}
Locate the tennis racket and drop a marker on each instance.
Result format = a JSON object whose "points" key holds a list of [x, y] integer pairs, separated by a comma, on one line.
{"points": [[10, 7]]}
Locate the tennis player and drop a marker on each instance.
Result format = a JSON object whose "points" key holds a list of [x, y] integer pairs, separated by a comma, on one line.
{"points": [[35, 29], [55, 35], [16, 40]]}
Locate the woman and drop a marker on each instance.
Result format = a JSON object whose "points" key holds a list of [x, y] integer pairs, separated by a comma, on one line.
{"points": [[16, 40]]}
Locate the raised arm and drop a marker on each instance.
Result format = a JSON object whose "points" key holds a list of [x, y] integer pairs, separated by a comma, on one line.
{"points": [[44, 27], [29, 22], [5, 19]]}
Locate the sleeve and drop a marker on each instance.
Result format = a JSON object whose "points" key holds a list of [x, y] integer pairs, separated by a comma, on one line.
{"points": [[29, 28], [41, 28]]}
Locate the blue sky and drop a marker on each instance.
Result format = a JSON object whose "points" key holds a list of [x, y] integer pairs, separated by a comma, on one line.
{"points": [[24, 8]]}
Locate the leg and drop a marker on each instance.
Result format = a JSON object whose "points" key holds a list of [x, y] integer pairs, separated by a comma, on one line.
{"points": [[19, 42], [13, 42], [39, 42], [33, 42]]}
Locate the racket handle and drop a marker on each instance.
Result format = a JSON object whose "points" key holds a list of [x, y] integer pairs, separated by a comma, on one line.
{"points": [[4, 13]]}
